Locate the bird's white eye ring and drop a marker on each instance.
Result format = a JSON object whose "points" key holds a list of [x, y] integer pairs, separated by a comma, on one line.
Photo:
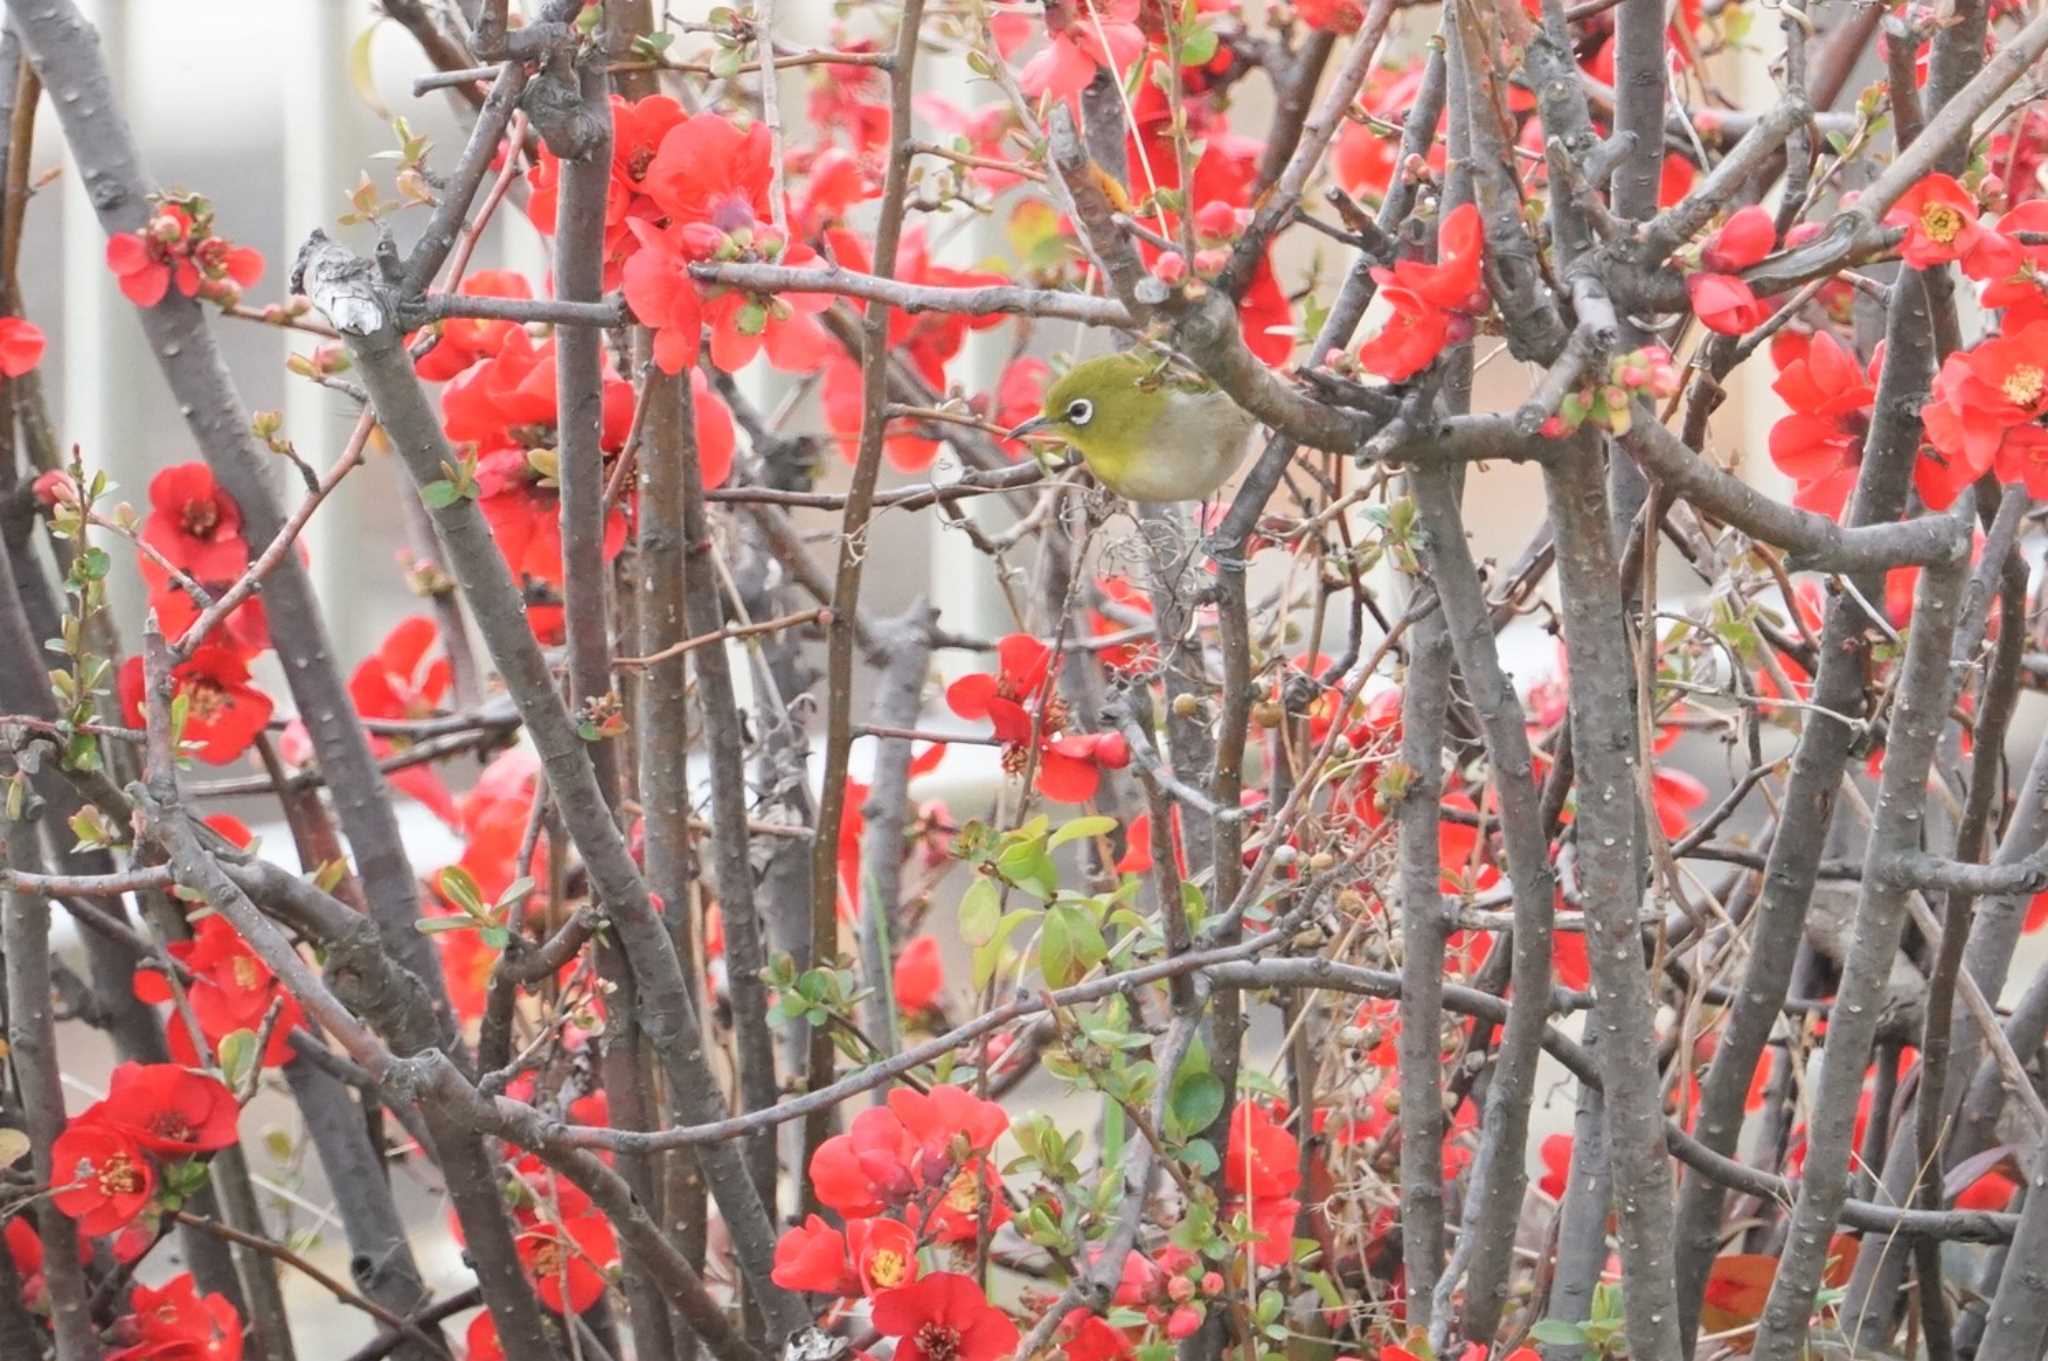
{"points": [[1080, 411]]}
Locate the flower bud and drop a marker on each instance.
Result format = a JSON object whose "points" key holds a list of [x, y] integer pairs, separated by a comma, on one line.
{"points": [[1186, 1321], [1112, 751], [1212, 1283], [1186, 706], [1211, 261], [1179, 1289], [1170, 268]]}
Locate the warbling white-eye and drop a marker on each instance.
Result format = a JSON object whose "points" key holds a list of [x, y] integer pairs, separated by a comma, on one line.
{"points": [[1148, 431]]}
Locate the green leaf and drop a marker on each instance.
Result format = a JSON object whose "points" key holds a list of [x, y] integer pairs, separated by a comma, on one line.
{"points": [[440, 494], [1197, 1100], [462, 890], [237, 1051], [1056, 957], [360, 74], [980, 912], [429, 926], [1557, 1332], [1080, 827], [1198, 47], [1027, 865]]}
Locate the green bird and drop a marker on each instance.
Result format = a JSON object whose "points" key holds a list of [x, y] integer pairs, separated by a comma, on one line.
{"points": [[1146, 430]]}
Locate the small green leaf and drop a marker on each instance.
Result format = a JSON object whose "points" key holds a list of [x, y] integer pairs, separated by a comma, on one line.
{"points": [[1078, 828], [980, 912], [1197, 1100], [1198, 47], [237, 1051], [1557, 1332], [441, 494]]}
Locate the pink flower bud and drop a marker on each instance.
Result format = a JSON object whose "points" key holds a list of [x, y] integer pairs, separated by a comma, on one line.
{"points": [[1552, 428], [1179, 1289], [55, 488], [1186, 1321], [1743, 240], [1216, 218], [1211, 261], [1170, 268], [1212, 1283], [1635, 375]]}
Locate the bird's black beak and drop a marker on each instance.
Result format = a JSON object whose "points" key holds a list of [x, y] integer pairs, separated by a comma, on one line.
{"points": [[1035, 423]]}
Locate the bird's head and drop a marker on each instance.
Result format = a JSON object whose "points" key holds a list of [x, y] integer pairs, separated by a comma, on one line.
{"points": [[1105, 407]]}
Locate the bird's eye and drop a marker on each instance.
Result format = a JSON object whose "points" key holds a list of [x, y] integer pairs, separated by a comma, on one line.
{"points": [[1080, 411]]}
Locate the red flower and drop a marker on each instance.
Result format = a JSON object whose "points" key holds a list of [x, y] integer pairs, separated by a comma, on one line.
{"points": [[1940, 218], [1745, 238], [1725, 303], [101, 1177], [231, 989], [1424, 297], [708, 170], [1557, 1165], [859, 1172], [846, 407], [1363, 157], [464, 340], [944, 1317], [637, 131], [1332, 16], [812, 1257], [1820, 445], [852, 99], [920, 976], [195, 524], [743, 324], [662, 294], [399, 681], [169, 1109], [482, 1338], [178, 245], [1068, 766], [224, 713], [936, 1119], [1980, 395], [2022, 291], [21, 346], [568, 1261], [1263, 1167], [884, 1254], [1086, 35], [2023, 458], [173, 1323]]}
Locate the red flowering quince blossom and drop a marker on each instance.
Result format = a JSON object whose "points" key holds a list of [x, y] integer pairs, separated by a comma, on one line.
{"points": [[1428, 299], [1940, 218], [661, 293], [21, 345], [2021, 293], [871, 1256], [168, 1109], [919, 976], [638, 127], [1019, 700], [1725, 303], [101, 1176], [230, 989], [1086, 35], [1743, 240], [568, 1261], [461, 341], [195, 524], [1981, 397], [224, 713], [925, 1157], [177, 245], [402, 679], [708, 169], [1263, 1168], [1820, 444], [172, 1322], [944, 1317]]}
